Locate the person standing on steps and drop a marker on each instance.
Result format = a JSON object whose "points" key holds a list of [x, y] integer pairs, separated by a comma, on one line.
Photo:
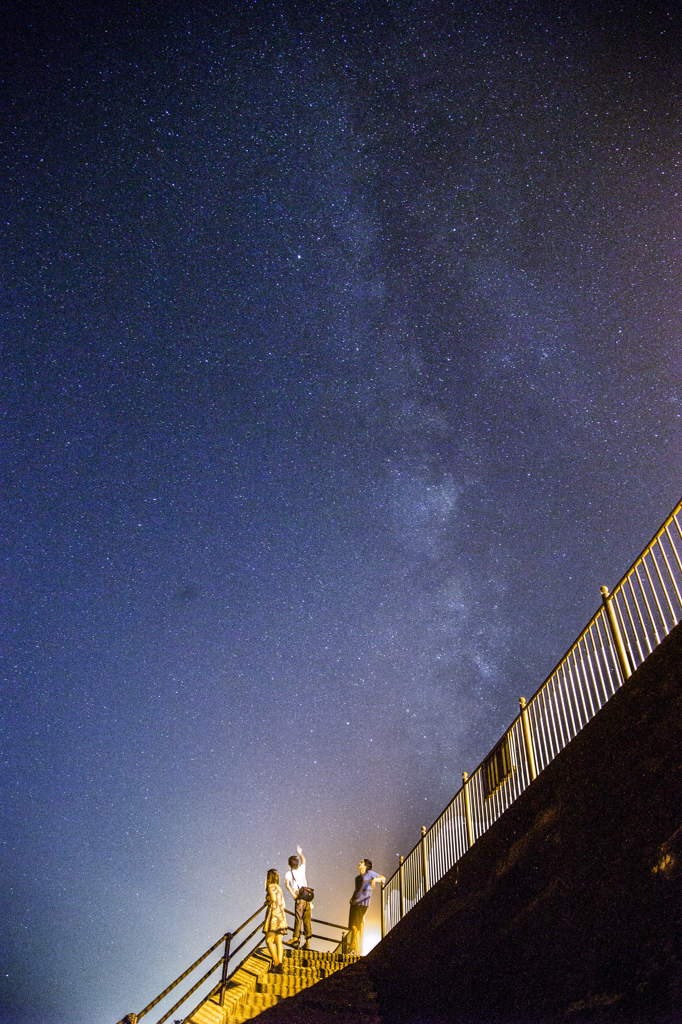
{"points": [[359, 902], [275, 924], [296, 882]]}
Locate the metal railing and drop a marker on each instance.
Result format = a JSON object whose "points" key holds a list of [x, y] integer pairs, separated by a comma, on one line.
{"points": [[228, 953], [642, 609]]}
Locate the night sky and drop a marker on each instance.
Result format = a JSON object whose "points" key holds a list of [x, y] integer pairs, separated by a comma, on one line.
{"points": [[341, 352]]}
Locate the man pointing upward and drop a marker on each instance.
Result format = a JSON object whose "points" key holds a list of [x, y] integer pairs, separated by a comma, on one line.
{"points": [[295, 880]]}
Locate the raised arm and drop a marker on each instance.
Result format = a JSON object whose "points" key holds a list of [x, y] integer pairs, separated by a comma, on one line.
{"points": [[299, 851]]}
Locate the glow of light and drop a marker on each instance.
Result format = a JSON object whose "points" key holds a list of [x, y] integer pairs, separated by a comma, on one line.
{"points": [[371, 937]]}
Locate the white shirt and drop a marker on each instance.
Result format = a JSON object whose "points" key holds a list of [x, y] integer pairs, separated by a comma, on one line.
{"points": [[296, 878]]}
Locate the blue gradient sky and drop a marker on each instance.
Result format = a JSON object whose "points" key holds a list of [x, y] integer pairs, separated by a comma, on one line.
{"points": [[341, 367]]}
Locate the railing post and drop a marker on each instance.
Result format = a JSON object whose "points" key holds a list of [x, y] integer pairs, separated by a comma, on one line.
{"points": [[226, 969], [528, 737], [383, 913], [402, 889], [425, 866], [467, 809], [623, 660]]}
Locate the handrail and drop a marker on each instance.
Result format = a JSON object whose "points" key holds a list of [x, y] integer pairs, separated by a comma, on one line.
{"points": [[644, 606], [133, 1018], [316, 920]]}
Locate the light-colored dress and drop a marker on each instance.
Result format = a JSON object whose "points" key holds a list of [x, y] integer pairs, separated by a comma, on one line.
{"points": [[275, 917]]}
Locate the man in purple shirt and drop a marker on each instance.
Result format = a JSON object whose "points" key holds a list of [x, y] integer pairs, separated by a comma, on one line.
{"points": [[359, 902]]}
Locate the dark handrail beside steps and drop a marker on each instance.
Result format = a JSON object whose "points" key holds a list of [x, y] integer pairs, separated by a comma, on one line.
{"points": [[228, 954]]}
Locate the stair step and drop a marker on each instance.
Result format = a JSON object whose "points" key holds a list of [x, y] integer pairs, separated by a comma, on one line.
{"points": [[255, 988], [285, 986]]}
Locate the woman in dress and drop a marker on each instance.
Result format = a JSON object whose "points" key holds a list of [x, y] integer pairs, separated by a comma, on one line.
{"points": [[275, 925]]}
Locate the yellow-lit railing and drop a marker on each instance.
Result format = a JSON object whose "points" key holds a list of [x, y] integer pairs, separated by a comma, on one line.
{"points": [[642, 609], [218, 992]]}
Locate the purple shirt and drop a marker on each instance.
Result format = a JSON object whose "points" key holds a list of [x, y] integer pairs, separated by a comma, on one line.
{"points": [[363, 888]]}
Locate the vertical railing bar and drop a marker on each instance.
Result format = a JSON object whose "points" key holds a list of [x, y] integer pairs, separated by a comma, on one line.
{"points": [[498, 807], [515, 767], [614, 665], [648, 606], [425, 861], [589, 667], [677, 557], [536, 707], [443, 839], [547, 744], [434, 860], [558, 686], [619, 596], [549, 753], [575, 698], [549, 750], [502, 802], [475, 809], [586, 655], [478, 815], [453, 849], [524, 779], [679, 564], [663, 586], [449, 850], [614, 657], [467, 810], [524, 759], [503, 789], [559, 705], [484, 817], [639, 619], [527, 732], [515, 775], [583, 680], [488, 808], [623, 630], [516, 778], [679, 529], [586, 662], [596, 658], [539, 708], [478, 819], [454, 839], [440, 843], [550, 709], [493, 813], [658, 603], [570, 705], [446, 839], [581, 689], [600, 656]]}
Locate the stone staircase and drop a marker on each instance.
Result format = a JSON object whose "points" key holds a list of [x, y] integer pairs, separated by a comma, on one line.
{"points": [[253, 988]]}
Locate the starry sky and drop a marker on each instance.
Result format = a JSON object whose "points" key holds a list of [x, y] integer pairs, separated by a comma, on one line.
{"points": [[341, 353]]}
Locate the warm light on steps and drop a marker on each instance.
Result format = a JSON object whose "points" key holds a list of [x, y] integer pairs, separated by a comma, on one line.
{"points": [[302, 969]]}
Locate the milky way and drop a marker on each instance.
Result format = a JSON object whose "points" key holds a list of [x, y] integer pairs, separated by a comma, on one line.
{"points": [[341, 351]]}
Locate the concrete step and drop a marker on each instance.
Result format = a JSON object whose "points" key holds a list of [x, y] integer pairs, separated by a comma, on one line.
{"points": [[346, 997], [302, 970], [283, 986]]}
